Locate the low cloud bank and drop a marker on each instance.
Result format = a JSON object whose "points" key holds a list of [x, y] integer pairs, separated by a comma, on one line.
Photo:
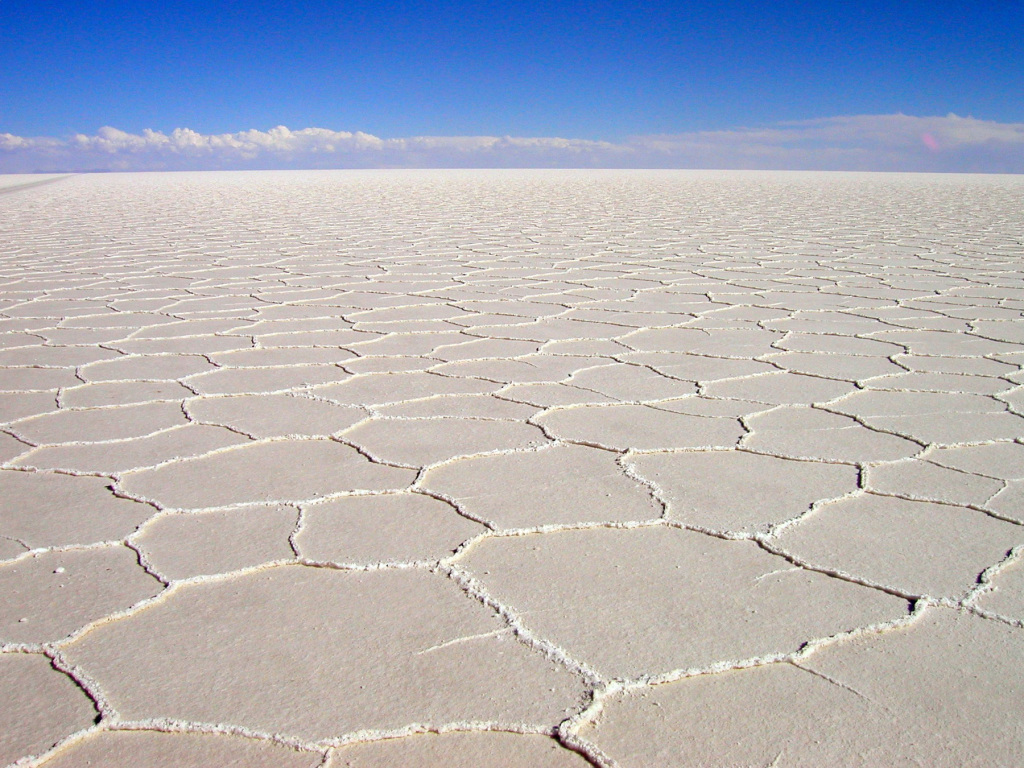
{"points": [[856, 143]]}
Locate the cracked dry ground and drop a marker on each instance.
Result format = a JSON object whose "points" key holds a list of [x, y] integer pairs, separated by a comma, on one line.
{"points": [[512, 468]]}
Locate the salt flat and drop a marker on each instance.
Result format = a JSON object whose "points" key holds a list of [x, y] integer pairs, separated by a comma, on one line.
{"points": [[495, 468]]}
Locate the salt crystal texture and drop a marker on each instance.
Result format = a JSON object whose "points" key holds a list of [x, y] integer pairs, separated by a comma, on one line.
{"points": [[511, 468]]}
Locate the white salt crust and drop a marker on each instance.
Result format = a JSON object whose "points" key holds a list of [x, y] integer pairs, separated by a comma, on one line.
{"points": [[511, 468]]}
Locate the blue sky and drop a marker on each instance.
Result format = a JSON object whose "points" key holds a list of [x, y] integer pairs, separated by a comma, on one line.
{"points": [[593, 71]]}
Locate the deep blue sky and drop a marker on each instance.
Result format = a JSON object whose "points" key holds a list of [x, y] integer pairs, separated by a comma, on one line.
{"points": [[598, 70]]}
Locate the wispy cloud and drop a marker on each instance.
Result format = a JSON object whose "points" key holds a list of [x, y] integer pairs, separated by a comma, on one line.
{"points": [[861, 142], [856, 143]]}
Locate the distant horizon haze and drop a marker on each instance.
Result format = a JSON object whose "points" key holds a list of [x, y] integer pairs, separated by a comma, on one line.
{"points": [[950, 144]]}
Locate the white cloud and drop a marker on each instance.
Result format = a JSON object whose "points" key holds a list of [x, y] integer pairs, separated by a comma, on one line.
{"points": [[860, 142]]}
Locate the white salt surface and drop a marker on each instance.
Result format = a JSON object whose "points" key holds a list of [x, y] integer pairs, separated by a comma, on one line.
{"points": [[9, 182], [500, 468]]}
